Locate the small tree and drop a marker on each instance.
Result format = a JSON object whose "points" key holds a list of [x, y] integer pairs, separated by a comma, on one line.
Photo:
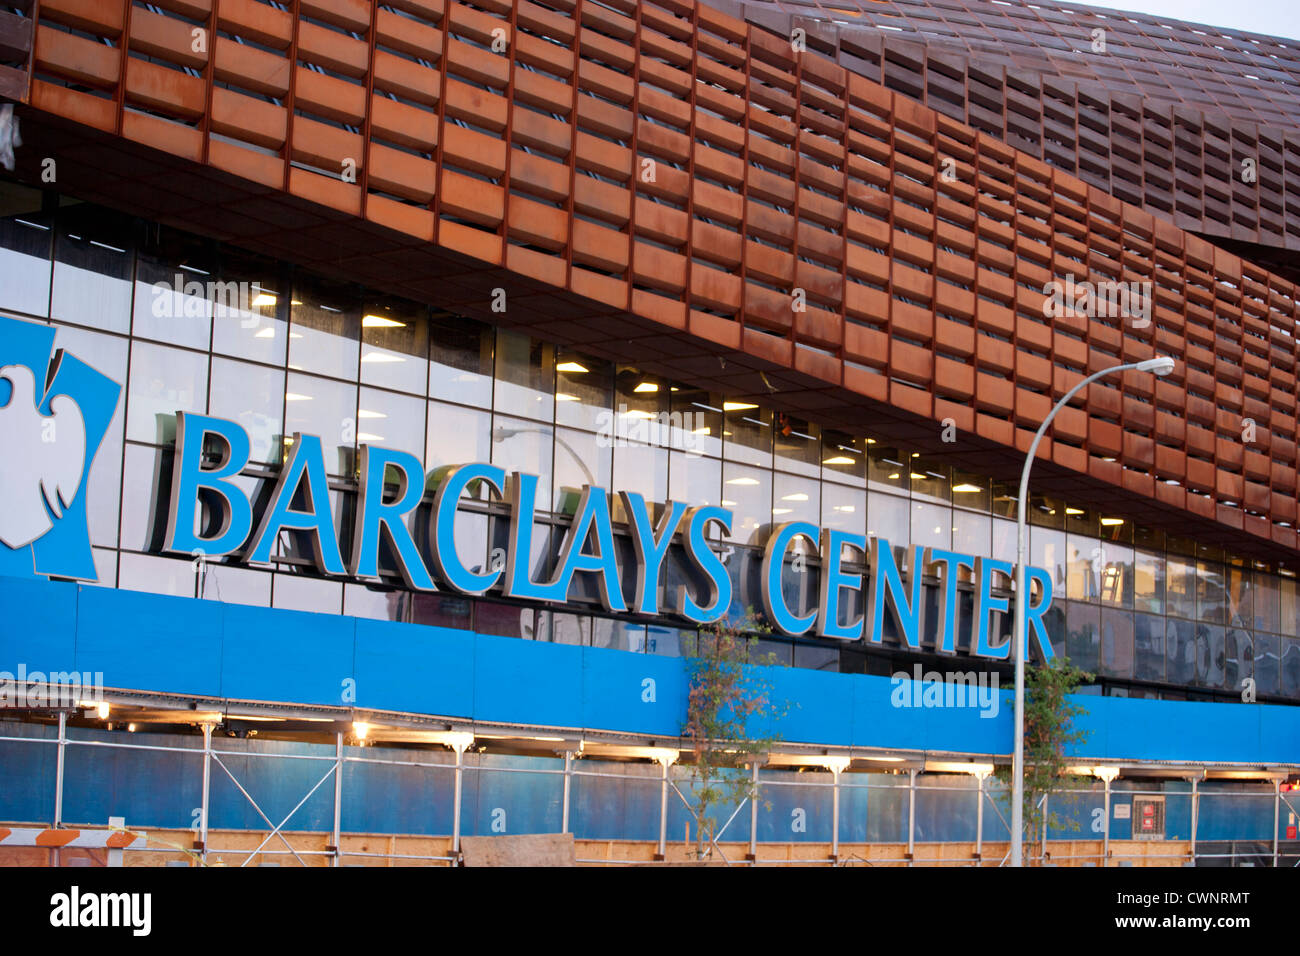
{"points": [[725, 702], [1049, 718]]}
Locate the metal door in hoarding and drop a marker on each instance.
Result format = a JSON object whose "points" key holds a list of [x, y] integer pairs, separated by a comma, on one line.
{"points": [[1148, 818]]}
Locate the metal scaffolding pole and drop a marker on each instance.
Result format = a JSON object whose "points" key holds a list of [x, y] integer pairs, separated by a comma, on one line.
{"points": [[979, 820], [58, 780], [207, 792], [1277, 807], [455, 804], [1105, 826], [911, 815], [1196, 814], [835, 813], [663, 812], [568, 782], [753, 813], [338, 797]]}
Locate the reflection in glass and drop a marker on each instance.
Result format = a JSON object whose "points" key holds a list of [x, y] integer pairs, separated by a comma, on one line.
{"points": [[693, 480], [931, 525], [298, 592], [163, 381], [970, 490], [580, 460], [1211, 593], [887, 470], [889, 517], [796, 499], [584, 389], [325, 328], [1083, 568], [843, 508], [457, 436], [1083, 636], [328, 409], [1181, 644], [844, 458], [147, 572], [171, 303], [394, 346], [525, 377], [25, 237], [747, 433], [702, 430], [1117, 575], [748, 493], [1116, 643], [460, 361], [252, 396], [389, 420], [1047, 551], [1149, 647], [930, 479], [92, 269], [1149, 581], [519, 445], [797, 445]]}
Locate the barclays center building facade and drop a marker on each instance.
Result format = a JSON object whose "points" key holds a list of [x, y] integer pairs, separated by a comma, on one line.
{"points": [[391, 393]]}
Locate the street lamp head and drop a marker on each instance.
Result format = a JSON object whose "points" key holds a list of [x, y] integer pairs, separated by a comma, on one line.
{"points": [[1161, 365]]}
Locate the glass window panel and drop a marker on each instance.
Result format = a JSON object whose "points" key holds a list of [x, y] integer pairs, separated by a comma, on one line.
{"points": [[930, 479], [147, 572], [1149, 581], [1289, 619], [325, 328], [1047, 551], [931, 525], [143, 502], [1114, 528], [584, 393], [1084, 563], [519, 445], [525, 377], [253, 396], [456, 436], [1266, 663], [390, 420], [1267, 601], [1149, 647], [572, 629], [163, 381], [693, 480], [172, 304], [1210, 655], [618, 635], [748, 493], [1240, 607], [1080, 520], [666, 641], [747, 433], [1004, 540], [395, 346], [460, 361], [108, 354], [25, 237], [1289, 668], [970, 490], [299, 592], [580, 459], [817, 658], [377, 603], [1211, 593], [843, 508], [1238, 658], [887, 470], [1046, 511], [797, 445], [1083, 636], [972, 534], [328, 409], [1180, 583], [445, 610], [641, 468], [1117, 575], [235, 585], [889, 517], [92, 268], [1180, 641], [1004, 499], [1116, 643], [705, 422], [796, 499], [255, 330], [844, 458]]}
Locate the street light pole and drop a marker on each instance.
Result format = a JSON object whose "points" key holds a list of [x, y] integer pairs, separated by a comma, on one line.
{"points": [[1159, 366]]}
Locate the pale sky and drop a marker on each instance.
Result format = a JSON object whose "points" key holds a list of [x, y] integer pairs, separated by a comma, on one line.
{"points": [[1278, 18]]}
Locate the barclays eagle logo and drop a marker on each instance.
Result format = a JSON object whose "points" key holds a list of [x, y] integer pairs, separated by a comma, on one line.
{"points": [[53, 415]]}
